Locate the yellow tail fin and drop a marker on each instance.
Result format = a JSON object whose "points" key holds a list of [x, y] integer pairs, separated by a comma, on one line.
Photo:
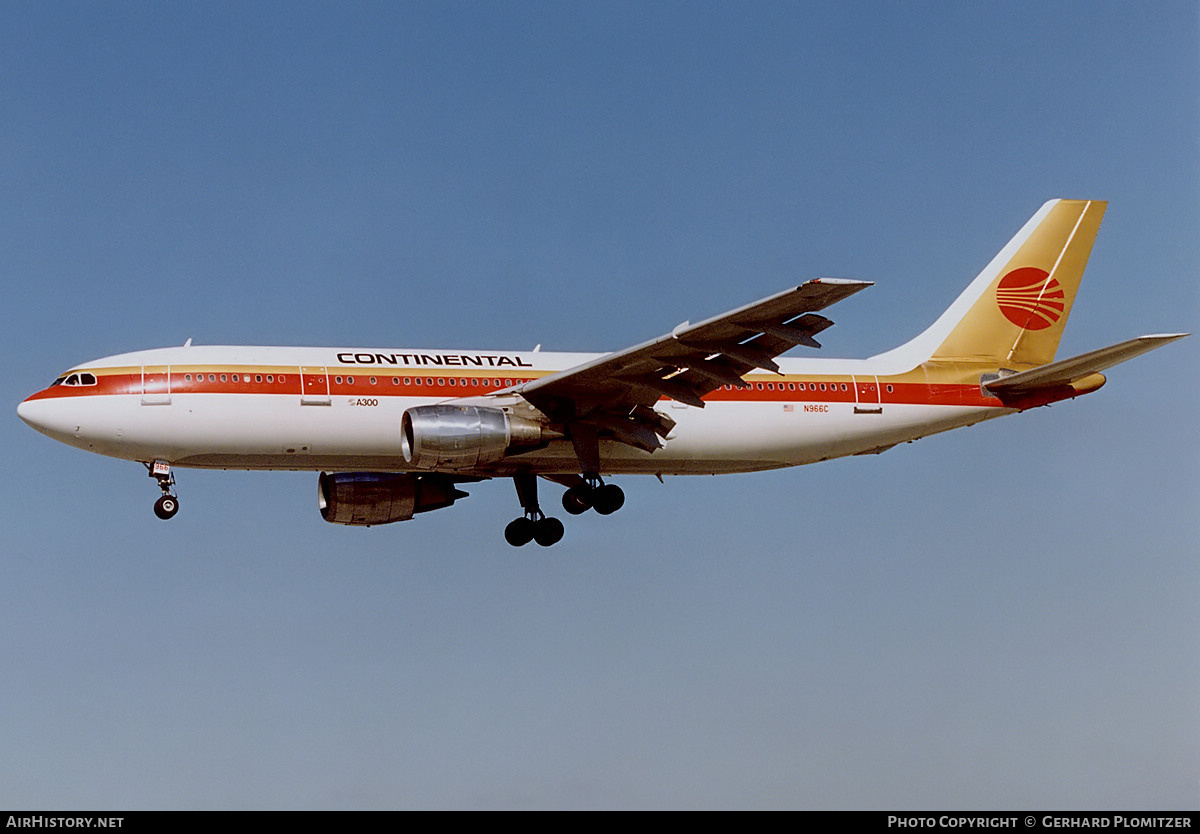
{"points": [[1015, 311]]}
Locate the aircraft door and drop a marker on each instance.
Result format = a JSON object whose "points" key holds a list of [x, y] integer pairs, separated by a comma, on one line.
{"points": [[866, 395], [156, 385], [314, 385]]}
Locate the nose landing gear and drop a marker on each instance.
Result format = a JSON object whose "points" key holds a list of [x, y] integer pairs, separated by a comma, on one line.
{"points": [[166, 506]]}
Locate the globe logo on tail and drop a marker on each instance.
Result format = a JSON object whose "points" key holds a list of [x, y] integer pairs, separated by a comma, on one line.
{"points": [[1030, 298]]}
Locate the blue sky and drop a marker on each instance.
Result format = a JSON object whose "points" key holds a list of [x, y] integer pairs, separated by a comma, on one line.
{"points": [[1001, 617]]}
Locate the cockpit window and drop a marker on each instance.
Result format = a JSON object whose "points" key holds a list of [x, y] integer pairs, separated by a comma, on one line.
{"points": [[75, 379]]}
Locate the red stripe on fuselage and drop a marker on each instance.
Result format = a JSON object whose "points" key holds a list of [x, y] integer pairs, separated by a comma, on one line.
{"points": [[289, 382]]}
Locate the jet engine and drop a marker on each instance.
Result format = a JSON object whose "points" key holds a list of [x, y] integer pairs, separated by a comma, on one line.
{"points": [[463, 436], [365, 498]]}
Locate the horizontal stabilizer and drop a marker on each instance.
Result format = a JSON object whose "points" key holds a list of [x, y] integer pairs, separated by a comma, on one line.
{"points": [[1067, 371]]}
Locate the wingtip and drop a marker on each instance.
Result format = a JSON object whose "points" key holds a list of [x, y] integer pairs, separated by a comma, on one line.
{"points": [[842, 281]]}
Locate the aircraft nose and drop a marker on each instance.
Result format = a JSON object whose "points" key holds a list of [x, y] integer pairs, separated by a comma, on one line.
{"points": [[44, 416], [26, 412]]}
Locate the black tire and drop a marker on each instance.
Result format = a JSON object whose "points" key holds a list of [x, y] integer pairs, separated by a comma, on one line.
{"points": [[166, 507], [577, 499], [608, 499], [548, 531], [519, 532]]}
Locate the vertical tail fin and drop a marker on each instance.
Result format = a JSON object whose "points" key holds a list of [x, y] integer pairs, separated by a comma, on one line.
{"points": [[1014, 312]]}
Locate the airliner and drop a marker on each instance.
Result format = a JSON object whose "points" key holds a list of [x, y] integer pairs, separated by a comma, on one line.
{"points": [[395, 432]]}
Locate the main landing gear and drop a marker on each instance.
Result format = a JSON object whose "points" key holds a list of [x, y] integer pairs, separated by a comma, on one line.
{"points": [[588, 493], [593, 494], [166, 506], [534, 525]]}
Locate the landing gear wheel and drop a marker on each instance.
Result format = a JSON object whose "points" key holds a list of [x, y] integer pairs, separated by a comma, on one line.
{"points": [[607, 499], [519, 532], [577, 499], [534, 525], [547, 531], [166, 507]]}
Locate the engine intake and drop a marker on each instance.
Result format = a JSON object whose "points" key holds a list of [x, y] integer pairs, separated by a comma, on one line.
{"points": [[365, 498], [462, 436]]}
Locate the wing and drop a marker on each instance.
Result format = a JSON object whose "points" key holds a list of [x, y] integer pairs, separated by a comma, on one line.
{"points": [[614, 395]]}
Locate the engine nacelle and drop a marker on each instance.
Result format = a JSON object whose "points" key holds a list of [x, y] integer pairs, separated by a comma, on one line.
{"points": [[366, 498], [462, 436]]}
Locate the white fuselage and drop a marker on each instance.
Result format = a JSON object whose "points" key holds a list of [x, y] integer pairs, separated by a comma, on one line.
{"points": [[340, 409]]}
